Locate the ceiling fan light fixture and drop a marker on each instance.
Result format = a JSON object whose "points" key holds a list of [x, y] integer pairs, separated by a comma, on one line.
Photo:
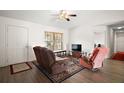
{"points": [[65, 15]]}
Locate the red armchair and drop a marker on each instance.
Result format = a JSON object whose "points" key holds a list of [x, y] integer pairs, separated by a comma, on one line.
{"points": [[96, 60]]}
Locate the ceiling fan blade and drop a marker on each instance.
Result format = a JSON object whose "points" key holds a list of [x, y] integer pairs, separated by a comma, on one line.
{"points": [[73, 15], [67, 19]]}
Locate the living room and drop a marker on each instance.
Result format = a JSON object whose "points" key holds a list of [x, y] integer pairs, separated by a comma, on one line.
{"points": [[60, 31]]}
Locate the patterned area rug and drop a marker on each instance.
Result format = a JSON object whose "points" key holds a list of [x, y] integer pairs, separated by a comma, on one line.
{"points": [[71, 67], [20, 67]]}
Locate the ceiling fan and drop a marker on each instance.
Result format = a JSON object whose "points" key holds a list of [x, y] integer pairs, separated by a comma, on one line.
{"points": [[65, 15]]}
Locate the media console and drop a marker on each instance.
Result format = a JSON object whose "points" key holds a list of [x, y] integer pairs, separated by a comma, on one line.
{"points": [[76, 54]]}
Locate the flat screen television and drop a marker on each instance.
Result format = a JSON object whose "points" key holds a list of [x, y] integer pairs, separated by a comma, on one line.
{"points": [[76, 47]]}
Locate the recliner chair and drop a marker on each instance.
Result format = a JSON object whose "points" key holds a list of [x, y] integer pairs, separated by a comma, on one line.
{"points": [[46, 58], [96, 60]]}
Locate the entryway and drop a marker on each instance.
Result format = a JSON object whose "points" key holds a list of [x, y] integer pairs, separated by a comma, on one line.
{"points": [[17, 44]]}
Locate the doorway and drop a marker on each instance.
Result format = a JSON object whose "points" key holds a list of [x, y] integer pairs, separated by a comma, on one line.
{"points": [[17, 44], [119, 41]]}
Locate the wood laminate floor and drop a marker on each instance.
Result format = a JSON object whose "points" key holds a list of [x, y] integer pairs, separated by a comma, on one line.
{"points": [[112, 72]]}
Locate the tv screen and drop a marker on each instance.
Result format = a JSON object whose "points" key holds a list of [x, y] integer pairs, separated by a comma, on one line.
{"points": [[76, 47]]}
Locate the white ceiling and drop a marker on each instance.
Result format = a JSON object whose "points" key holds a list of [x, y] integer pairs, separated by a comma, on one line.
{"points": [[84, 17]]}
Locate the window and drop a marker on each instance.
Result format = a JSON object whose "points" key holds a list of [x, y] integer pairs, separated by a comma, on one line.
{"points": [[54, 40]]}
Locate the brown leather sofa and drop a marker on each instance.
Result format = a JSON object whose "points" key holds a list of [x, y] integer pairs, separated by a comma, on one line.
{"points": [[46, 59]]}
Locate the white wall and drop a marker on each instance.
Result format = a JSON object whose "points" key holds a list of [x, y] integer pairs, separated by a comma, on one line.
{"points": [[36, 36], [85, 35], [100, 33]]}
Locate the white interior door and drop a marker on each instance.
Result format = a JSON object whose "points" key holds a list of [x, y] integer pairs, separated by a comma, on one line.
{"points": [[120, 41], [17, 44]]}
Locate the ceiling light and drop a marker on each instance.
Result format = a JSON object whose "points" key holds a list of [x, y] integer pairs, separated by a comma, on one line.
{"points": [[120, 27]]}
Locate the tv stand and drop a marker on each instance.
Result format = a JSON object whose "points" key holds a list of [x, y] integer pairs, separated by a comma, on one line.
{"points": [[76, 54]]}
